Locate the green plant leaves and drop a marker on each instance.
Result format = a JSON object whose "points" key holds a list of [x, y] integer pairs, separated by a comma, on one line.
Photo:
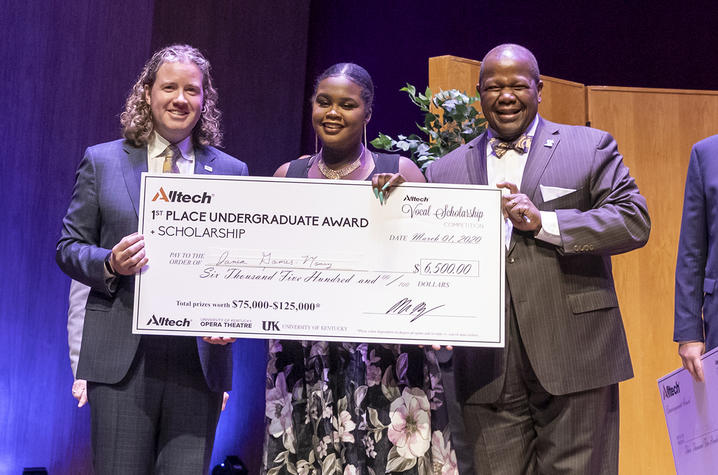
{"points": [[459, 122]]}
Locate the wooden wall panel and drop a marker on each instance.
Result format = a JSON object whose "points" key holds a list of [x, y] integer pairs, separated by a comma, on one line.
{"points": [[452, 72], [655, 130], [563, 101]]}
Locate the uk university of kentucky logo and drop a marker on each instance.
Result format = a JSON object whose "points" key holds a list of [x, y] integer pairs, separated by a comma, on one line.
{"points": [[270, 326], [179, 197]]}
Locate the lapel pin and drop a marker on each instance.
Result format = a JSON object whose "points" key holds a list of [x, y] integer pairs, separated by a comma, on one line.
{"points": [[208, 168], [549, 143]]}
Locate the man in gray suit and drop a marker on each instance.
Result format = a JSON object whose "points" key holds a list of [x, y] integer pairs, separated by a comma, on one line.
{"points": [[548, 402], [154, 400]]}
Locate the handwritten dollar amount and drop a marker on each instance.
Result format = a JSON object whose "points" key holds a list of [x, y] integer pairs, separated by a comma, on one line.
{"points": [[447, 267], [277, 305]]}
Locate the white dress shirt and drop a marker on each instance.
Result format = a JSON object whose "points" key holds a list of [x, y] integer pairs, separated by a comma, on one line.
{"points": [[510, 167], [157, 147]]}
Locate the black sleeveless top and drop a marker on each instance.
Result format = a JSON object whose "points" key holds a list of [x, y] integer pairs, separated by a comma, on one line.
{"points": [[383, 163]]}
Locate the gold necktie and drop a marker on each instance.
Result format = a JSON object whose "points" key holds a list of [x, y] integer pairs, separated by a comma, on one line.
{"points": [[170, 164], [521, 145]]}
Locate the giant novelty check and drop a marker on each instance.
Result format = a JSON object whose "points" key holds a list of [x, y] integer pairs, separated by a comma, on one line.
{"points": [[691, 411], [320, 260]]}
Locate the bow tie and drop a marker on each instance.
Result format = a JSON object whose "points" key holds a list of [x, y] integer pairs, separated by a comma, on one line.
{"points": [[521, 145]]}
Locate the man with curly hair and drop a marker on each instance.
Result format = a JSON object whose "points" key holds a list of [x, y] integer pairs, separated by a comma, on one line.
{"points": [[155, 400]]}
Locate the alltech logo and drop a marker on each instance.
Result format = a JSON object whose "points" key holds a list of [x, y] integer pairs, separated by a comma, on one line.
{"points": [[670, 391], [168, 322], [179, 197]]}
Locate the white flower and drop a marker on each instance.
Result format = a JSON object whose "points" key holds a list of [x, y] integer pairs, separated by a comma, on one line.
{"points": [[345, 425], [303, 467], [279, 407], [410, 427], [322, 447], [444, 459], [369, 444], [312, 412], [350, 470]]}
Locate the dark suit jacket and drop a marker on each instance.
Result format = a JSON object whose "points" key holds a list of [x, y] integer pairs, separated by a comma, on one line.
{"points": [[696, 303], [564, 297], [104, 209]]}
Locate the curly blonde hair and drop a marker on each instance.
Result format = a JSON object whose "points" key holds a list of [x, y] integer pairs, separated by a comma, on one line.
{"points": [[136, 119]]}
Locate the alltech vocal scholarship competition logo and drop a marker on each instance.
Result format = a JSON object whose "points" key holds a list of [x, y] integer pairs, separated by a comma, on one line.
{"points": [[175, 196]]}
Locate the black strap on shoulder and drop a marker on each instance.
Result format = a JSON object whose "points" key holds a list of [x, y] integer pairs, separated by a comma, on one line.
{"points": [[299, 168], [386, 163]]}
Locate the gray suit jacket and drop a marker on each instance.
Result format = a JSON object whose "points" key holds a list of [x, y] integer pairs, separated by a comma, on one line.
{"points": [[564, 297], [104, 209]]}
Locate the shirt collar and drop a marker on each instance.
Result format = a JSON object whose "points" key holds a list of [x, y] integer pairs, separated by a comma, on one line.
{"points": [[158, 144]]}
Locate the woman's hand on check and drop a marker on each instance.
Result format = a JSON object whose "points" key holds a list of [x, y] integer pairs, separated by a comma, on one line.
{"points": [[382, 184]]}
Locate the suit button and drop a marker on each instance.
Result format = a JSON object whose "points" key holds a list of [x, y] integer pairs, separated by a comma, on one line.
{"points": [[511, 260]]}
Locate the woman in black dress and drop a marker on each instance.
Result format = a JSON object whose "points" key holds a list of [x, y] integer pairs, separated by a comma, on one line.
{"points": [[353, 408]]}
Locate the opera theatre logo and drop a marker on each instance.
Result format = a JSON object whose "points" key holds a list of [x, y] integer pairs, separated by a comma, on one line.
{"points": [[179, 197], [167, 322]]}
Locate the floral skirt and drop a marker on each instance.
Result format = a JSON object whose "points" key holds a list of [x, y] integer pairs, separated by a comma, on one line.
{"points": [[355, 408]]}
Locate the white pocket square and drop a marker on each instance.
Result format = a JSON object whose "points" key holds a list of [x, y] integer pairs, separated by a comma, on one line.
{"points": [[549, 193]]}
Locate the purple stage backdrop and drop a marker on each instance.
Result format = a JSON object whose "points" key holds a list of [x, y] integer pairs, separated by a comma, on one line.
{"points": [[68, 65]]}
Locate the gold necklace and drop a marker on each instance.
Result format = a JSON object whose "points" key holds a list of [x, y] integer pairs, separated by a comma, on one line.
{"points": [[342, 172]]}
